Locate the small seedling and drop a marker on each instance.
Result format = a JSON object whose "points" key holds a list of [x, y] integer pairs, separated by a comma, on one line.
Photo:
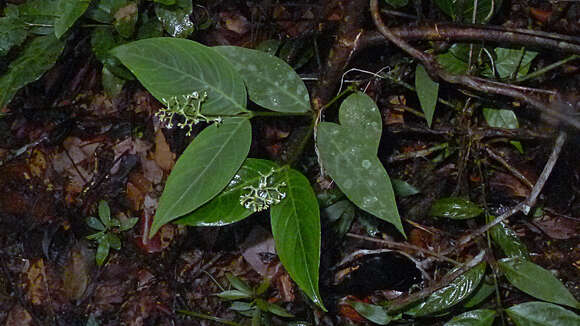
{"points": [[108, 228], [258, 308]]}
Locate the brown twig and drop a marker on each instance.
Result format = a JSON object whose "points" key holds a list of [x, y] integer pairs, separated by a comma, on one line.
{"points": [[475, 83], [516, 173]]}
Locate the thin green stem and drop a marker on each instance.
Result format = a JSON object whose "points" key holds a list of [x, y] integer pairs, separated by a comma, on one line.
{"points": [[547, 68], [208, 317]]}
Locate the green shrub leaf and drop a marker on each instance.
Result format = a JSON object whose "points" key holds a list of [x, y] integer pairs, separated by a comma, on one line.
{"points": [[271, 82], [481, 317], [374, 313], [462, 10], [542, 314], [296, 231], [35, 59], [508, 60], [349, 155], [12, 33], [462, 287], [175, 18], [70, 11], [204, 169], [503, 119], [427, 91], [455, 208], [225, 208], [403, 188], [170, 67], [508, 241], [484, 290], [536, 281]]}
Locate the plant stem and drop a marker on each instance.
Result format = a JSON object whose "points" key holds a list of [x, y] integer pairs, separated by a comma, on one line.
{"points": [[546, 68]]}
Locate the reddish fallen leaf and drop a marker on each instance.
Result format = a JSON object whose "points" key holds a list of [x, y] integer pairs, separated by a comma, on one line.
{"points": [[558, 227], [163, 155], [508, 184], [76, 275], [347, 311], [162, 239], [540, 15]]}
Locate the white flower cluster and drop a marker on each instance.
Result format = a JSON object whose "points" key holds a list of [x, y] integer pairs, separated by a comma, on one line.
{"points": [[264, 195], [189, 107]]}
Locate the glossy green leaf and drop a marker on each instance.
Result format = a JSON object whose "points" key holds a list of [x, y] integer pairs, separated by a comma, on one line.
{"points": [[508, 241], [102, 251], [427, 91], [204, 169], [42, 13], [481, 317], [508, 60], [95, 223], [175, 18], [173, 67], [349, 154], [225, 208], [12, 33], [296, 231], [455, 208], [271, 82], [70, 11], [403, 188], [458, 290], [542, 314], [35, 59], [273, 308], [96, 236], [128, 223], [536, 281], [483, 291], [102, 40], [374, 313]]}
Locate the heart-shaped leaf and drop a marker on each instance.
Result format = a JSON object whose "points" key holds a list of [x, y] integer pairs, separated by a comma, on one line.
{"points": [[427, 91], [271, 82], [204, 169], [349, 155], [296, 231], [480, 317], [542, 314], [537, 281], [170, 67], [225, 208]]}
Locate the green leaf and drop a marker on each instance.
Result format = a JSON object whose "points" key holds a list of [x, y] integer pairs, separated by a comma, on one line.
{"points": [[453, 60], [427, 91], [105, 213], [96, 236], [175, 18], [455, 208], [542, 314], [102, 251], [503, 119], [397, 3], [340, 214], [128, 223], [70, 11], [273, 308], [349, 154], [374, 313], [41, 12], [12, 33], [204, 169], [114, 241], [296, 231], [95, 223], [239, 284], [241, 306], [483, 291], [403, 188], [452, 294], [271, 82], [508, 60], [173, 67], [508, 241], [270, 46], [112, 85], [233, 295], [36, 58], [225, 208], [536, 281], [481, 317]]}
